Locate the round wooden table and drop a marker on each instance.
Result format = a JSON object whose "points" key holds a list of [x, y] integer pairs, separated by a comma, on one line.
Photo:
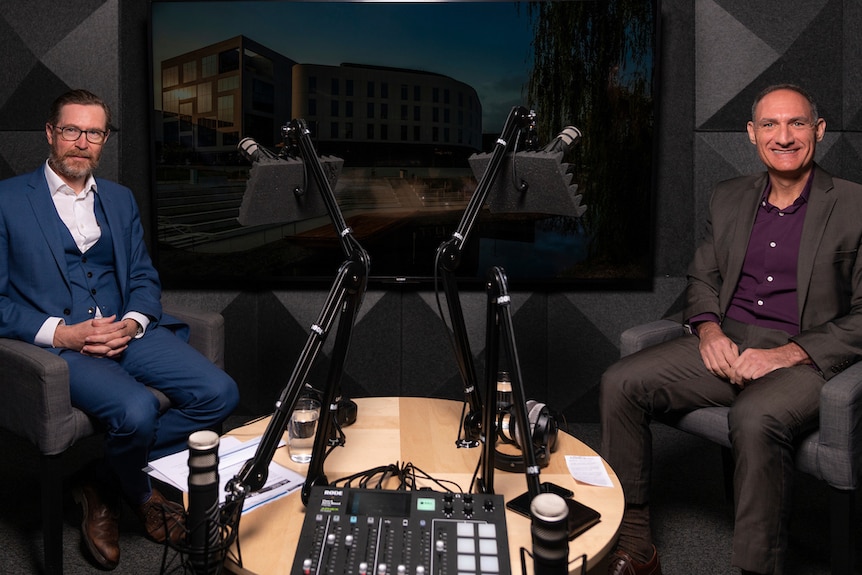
{"points": [[420, 431]]}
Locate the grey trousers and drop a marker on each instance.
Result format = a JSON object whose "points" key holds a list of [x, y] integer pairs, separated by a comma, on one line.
{"points": [[764, 420]]}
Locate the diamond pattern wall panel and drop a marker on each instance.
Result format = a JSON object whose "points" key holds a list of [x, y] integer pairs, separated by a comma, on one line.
{"points": [[49, 47], [741, 47]]}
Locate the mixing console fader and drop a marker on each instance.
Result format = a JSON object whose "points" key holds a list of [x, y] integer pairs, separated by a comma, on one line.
{"points": [[377, 532]]}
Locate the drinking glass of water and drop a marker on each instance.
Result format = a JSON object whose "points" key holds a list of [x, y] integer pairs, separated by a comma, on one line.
{"points": [[301, 429]]}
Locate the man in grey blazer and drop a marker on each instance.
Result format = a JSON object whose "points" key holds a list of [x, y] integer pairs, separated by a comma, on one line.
{"points": [[774, 302], [76, 279]]}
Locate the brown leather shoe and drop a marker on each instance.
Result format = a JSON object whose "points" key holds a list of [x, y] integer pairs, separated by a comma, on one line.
{"points": [[623, 564], [99, 525], [162, 518]]}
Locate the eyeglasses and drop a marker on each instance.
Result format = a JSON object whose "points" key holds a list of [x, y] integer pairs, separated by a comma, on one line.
{"points": [[72, 133]]}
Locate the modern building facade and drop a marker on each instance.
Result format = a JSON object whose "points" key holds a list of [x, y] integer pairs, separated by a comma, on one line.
{"points": [[215, 96], [399, 116], [369, 115]]}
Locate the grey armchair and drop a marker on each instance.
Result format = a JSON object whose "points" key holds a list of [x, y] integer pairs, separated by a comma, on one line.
{"points": [[832, 453], [37, 407]]}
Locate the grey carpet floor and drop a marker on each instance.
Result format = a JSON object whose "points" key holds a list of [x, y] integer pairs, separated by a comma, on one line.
{"points": [[692, 521]]}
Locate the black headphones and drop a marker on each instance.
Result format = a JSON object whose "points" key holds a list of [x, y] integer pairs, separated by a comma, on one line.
{"points": [[543, 428]]}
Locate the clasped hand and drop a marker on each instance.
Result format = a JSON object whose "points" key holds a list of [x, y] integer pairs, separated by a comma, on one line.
{"points": [[722, 358], [98, 337]]}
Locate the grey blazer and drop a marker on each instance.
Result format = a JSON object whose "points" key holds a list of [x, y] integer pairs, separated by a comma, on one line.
{"points": [[829, 274]]}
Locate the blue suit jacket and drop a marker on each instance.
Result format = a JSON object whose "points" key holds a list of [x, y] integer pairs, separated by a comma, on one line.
{"points": [[34, 281]]}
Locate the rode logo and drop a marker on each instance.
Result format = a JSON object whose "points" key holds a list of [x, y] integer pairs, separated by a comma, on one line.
{"points": [[333, 492]]}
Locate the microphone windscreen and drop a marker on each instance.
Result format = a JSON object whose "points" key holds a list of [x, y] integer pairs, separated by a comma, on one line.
{"points": [[203, 513], [279, 192], [549, 531], [549, 188]]}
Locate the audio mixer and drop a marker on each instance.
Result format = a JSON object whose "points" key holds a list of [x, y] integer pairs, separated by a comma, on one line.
{"points": [[354, 531]]}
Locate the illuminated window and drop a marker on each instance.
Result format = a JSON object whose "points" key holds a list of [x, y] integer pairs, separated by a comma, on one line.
{"points": [[229, 83], [170, 77], [205, 97], [190, 72], [171, 102], [225, 110]]}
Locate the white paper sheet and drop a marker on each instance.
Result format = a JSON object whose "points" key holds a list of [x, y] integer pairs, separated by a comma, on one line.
{"points": [[588, 469], [233, 453]]}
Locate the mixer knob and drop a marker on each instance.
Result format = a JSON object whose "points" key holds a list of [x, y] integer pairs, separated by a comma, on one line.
{"points": [[348, 540], [420, 570], [489, 504], [381, 569], [363, 568], [306, 567]]}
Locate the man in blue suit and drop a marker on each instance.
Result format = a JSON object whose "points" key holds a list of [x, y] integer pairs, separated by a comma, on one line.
{"points": [[76, 279]]}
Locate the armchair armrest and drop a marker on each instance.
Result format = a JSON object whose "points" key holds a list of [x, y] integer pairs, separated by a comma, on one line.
{"points": [[649, 334], [839, 460], [206, 330], [36, 403], [35, 383]]}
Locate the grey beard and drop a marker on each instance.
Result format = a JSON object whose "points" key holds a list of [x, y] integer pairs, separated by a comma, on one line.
{"points": [[64, 169]]}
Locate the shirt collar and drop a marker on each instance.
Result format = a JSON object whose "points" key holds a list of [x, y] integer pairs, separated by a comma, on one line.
{"points": [[802, 199], [56, 184]]}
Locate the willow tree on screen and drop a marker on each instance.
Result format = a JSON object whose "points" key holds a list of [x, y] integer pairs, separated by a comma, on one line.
{"points": [[593, 68]]}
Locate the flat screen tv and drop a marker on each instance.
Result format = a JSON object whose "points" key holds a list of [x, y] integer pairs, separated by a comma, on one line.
{"points": [[400, 96]]}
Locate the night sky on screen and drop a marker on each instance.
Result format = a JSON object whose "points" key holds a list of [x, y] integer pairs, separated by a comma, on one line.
{"points": [[484, 44]]}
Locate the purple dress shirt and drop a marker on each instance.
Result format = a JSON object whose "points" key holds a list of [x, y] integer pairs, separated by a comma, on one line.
{"points": [[766, 293]]}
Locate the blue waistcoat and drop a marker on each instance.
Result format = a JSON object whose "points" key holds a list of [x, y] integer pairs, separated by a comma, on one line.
{"points": [[91, 274]]}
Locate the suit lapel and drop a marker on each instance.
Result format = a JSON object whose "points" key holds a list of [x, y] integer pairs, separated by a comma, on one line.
{"points": [[112, 216], [820, 206], [45, 214]]}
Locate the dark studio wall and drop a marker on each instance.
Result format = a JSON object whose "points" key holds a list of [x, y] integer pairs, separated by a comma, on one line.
{"points": [[716, 54]]}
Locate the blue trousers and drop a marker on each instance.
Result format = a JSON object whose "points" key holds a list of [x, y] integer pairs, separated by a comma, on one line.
{"points": [[765, 419], [112, 391]]}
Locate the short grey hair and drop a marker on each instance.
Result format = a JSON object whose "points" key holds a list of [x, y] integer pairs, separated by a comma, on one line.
{"points": [[793, 87]]}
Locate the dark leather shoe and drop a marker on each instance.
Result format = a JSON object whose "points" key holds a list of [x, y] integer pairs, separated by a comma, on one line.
{"points": [[623, 564], [99, 525], [162, 518]]}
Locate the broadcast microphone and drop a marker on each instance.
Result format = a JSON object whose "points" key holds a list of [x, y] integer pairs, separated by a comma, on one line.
{"points": [[564, 140], [549, 530], [203, 513], [254, 152]]}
